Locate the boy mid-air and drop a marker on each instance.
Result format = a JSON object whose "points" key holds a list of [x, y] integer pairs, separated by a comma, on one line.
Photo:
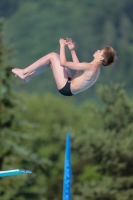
{"points": [[86, 74]]}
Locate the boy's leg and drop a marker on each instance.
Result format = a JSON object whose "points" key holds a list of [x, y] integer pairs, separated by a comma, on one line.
{"points": [[35, 73], [60, 73], [32, 70]]}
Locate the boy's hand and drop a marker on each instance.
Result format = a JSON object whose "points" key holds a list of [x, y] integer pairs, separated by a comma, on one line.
{"points": [[70, 43], [62, 41]]}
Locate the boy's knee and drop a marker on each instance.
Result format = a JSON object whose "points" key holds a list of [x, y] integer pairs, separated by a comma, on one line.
{"points": [[54, 55]]}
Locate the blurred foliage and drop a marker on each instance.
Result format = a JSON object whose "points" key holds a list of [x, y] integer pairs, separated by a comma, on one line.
{"points": [[15, 143], [33, 129], [8, 7], [102, 158], [35, 27]]}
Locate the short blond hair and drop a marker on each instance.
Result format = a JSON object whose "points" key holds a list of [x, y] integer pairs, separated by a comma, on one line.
{"points": [[109, 56]]}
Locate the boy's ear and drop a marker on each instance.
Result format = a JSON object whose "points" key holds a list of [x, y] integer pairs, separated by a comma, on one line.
{"points": [[101, 58]]}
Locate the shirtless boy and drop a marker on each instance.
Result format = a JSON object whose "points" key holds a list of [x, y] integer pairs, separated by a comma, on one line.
{"points": [[86, 73]]}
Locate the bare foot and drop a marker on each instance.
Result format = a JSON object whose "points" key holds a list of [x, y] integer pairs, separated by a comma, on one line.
{"points": [[19, 72]]}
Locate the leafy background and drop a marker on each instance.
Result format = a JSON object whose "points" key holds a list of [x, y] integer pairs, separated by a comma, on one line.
{"points": [[34, 28], [34, 117]]}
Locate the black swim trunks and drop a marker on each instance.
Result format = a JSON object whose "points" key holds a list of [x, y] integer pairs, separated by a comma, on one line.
{"points": [[66, 91]]}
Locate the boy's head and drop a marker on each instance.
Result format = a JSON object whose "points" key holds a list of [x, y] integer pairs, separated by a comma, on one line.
{"points": [[109, 56]]}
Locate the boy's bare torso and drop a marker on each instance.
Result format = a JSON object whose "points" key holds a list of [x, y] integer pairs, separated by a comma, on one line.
{"points": [[82, 80]]}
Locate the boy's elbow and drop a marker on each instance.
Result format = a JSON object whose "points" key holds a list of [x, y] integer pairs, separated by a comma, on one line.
{"points": [[62, 63]]}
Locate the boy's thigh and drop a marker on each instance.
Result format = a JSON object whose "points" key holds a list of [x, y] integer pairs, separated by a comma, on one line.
{"points": [[60, 74]]}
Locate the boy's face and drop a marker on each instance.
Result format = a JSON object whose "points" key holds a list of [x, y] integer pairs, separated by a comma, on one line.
{"points": [[98, 54]]}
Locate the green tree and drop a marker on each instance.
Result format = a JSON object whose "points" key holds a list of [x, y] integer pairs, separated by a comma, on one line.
{"points": [[55, 117], [101, 144], [109, 151], [15, 144]]}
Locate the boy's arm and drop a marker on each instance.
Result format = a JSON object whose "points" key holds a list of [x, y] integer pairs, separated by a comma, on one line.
{"points": [[74, 56], [71, 47], [70, 65]]}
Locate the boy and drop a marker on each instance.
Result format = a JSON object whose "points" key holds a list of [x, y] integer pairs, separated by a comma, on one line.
{"points": [[86, 73]]}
